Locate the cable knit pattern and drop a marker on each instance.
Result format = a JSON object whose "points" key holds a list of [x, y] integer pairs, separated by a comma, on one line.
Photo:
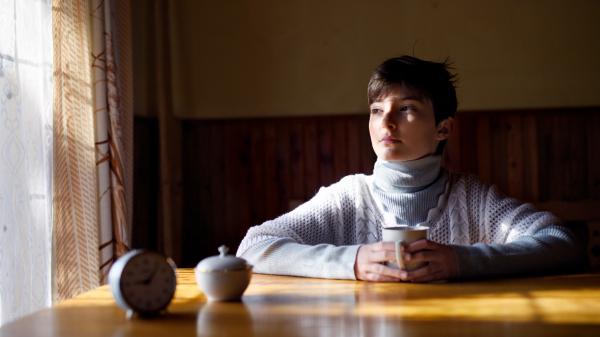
{"points": [[321, 237]]}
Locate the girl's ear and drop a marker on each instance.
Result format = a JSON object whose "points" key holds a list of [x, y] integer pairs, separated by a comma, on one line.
{"points": [[445, 128]]}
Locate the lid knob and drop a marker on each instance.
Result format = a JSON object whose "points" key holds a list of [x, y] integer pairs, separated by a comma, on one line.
{"points": [[223, 250], [221, 262]]}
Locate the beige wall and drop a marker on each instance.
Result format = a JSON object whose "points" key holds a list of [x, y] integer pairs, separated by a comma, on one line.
{"points": [[306, 57]]}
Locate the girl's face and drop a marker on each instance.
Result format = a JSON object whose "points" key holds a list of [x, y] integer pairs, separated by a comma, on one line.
{"points": [[402, 127]]}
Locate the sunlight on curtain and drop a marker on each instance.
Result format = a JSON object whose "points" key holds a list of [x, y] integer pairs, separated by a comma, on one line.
{"points": [[26, 157], [113, 127], [74, 183]]}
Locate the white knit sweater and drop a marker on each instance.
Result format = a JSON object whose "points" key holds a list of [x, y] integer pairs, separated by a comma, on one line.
{"points": [[492, 235]]}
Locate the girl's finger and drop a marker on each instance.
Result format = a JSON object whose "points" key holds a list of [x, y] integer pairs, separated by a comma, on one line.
{"points": [[423, 256], [429, 278], [418, 273], [382, 246], [420, 245], [374, 277], [382, 256], [380, 269]]}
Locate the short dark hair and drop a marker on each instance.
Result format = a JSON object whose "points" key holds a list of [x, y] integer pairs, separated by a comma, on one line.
{"points": [[431, 80]]}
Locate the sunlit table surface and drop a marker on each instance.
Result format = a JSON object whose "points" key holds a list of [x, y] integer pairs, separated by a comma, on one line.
{"points": [[567, 305]]}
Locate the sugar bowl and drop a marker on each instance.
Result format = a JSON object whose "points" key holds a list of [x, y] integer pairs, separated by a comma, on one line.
{"points": [[223, 277]]}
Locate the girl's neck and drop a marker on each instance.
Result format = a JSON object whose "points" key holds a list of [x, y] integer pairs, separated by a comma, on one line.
{"points": [[407, 176]]}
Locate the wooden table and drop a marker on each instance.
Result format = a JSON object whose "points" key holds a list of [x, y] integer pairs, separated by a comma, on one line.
{"points": [[290, 306]]}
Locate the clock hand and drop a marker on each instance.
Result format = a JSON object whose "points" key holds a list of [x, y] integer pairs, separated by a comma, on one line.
{"points": [[149, 278]]}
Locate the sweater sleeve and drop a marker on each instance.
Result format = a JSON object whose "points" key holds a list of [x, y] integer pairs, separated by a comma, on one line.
{"points": [[309, 241], [519, 240], [553, 249]]}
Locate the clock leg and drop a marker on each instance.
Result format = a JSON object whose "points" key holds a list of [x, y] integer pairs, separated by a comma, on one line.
{"points": [[172, 263]]}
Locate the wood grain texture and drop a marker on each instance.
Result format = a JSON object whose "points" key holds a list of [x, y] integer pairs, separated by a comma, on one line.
{"points": [[545, 156], [452, 155], [467, 159], [593, 155], [297, 162], [271, 192], [311, 155], [257, 153], [291, 306], [499, 128], [367, 154], [354, 139], [484, 155], [283, 168], [340, 151], [237, 181], [325, 132], [197, 184], [530, 158], [569, 169], [515, 156], [217, 175]]}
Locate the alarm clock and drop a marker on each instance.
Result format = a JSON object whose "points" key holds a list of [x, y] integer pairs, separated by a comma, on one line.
{"points": [[142, 282]]}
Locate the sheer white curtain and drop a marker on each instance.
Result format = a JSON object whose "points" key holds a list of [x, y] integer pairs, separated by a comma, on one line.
{"points": [[26, 157]]}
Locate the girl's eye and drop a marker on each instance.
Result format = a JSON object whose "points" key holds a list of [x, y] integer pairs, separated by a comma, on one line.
{"points": [[375, 110]]}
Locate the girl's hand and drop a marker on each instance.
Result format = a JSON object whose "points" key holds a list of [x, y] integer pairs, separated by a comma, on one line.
{"points": [[368, 265], [441, 258]]}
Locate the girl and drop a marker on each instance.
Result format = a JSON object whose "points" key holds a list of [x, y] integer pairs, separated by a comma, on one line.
{"points": [[474, 229]]}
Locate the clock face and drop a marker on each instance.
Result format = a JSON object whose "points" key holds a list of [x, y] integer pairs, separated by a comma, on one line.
{"points": [[147, 282]]}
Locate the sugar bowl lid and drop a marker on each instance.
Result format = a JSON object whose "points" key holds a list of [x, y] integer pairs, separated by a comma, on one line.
{"points": [[222, 262]]}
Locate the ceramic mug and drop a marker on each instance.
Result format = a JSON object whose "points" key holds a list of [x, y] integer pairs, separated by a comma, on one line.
{"points": [[403, 236]]}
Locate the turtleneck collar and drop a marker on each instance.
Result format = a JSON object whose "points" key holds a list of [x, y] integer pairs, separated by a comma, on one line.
{"points": [[407, 176]]}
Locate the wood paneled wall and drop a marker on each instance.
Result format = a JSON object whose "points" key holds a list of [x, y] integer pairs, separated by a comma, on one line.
{"points": [[240, 173], [532, 155]]}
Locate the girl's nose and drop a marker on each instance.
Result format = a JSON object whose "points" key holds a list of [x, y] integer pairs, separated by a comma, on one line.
{"points": [[388, 121]]}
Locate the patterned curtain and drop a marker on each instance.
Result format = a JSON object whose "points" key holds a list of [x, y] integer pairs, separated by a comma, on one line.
{"points": [[75, 207], [93, 141], [46, 115], [26, 157], [112, 74]]}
